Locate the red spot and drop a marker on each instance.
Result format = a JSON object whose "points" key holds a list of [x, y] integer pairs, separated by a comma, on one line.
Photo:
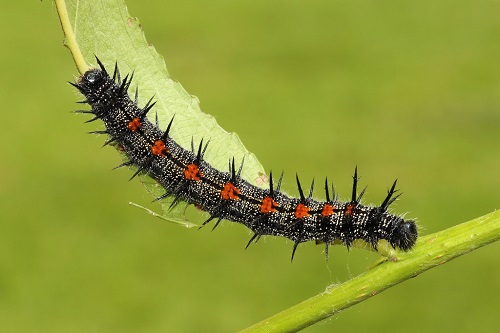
{"points": [[134, 124], [268, 205], [159, 148], [328, 210], [192, 172], [230, 192], [301, 211], [349, 210]]}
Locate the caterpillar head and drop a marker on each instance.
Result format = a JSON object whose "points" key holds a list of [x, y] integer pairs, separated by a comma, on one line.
{"points": [[90, 80]]}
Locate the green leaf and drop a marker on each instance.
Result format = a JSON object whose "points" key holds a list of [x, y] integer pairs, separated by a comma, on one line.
{"points": [[105, 29]]}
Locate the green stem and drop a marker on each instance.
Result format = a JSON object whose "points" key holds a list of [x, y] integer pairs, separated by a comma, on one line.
{"points": [[70, 37], [430, 251]]}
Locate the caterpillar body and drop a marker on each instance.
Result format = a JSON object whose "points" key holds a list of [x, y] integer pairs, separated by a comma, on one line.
{"points": [[185, 175]]}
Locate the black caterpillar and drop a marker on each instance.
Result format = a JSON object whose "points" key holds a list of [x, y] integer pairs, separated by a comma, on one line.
{"points": [[185, 175]]}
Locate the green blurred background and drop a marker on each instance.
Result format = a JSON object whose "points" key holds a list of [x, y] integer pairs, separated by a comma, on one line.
{"points": [[401, 89]]}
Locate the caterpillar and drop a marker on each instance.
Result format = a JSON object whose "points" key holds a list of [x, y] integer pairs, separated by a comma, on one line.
{"points": [[186, 176]]}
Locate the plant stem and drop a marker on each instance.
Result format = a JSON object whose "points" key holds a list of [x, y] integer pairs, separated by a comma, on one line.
{"points": [[70, 37], [430, 251]]}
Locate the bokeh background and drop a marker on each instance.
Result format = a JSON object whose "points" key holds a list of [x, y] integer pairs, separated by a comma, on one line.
{"points": [[407, 90]]}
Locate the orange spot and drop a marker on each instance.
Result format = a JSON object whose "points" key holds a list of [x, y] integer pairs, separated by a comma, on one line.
{"points": [[268, 205], [159, 148], [230, 192], [301, 211], [327, 210], [192, 172], [349, 210], [134, 124]]}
